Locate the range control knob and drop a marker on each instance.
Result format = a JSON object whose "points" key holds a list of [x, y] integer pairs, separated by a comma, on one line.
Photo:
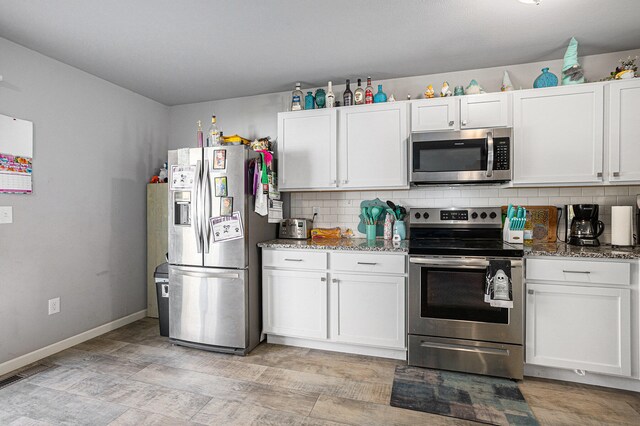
{"points": [[483, 215], [425, 215], [493, 215], [474, 215], [417, 215]]}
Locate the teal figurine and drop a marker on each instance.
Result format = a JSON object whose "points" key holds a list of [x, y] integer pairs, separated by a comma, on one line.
{"points": [[546, 79], [380, 96], [309, 101], [321, 99], [458, 91]]}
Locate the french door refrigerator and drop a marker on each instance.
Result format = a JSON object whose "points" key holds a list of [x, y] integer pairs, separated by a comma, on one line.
{"points": [[214, 283]]}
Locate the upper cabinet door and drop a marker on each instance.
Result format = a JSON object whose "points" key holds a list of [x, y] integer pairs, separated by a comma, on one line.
{"points": [[434, 115], [624, 131], [484, 111], [373, 146], [307, 142], [558, 135]]}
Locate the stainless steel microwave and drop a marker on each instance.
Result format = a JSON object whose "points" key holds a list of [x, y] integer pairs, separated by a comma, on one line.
{"points": [[467, 156]]}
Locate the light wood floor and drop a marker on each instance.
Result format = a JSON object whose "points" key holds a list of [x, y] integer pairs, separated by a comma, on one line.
{"points": [[132, 376]]}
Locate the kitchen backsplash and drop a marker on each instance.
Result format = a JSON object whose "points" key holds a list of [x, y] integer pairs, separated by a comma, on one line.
{"points": [[342, 208]]}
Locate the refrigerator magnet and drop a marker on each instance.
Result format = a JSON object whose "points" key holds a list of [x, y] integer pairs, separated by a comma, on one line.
{"points": [[221, 186], [226, 206], [219, 159], [227, 228], [182, 177]]}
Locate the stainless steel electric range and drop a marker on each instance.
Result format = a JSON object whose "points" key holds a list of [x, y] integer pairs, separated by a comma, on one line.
{"points": [[451, 327]]}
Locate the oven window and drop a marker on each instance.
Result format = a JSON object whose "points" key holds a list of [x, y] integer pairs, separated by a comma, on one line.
{"points": [[449, 156], [457, 295]]}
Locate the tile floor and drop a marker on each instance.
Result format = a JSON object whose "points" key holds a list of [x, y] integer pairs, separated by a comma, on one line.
{"points": [[132, 376]]}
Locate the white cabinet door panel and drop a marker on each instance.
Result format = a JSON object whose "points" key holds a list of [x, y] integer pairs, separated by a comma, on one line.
{"points": [[577, 327], [307, 143], [484, 111], [624, 131], [368, 310], [558, 135], [373, 146], [294, 303], [579, 271], [435, 114]]}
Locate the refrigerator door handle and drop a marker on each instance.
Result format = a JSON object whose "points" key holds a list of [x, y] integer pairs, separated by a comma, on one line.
{"points": [[197, 272], [197, 223], [206, 212]]}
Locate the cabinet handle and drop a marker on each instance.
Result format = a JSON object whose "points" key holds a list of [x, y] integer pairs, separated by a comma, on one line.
{"points": [[576, 272], [335, 280], [293, 260], [599, 174], [530, 291], [616, 174], [335, 181], [451, 123], [464, 122], [323, 279], [367, 263], [344, 181]]}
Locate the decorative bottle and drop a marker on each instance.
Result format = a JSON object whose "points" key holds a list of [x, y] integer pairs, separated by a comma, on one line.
{"points": [[546, 79], [347, 96], [320, 98], [296, 99], [368, 92], [388, 227], [380, 96], [309, 101], [358, 95], [213, 134], [331, 98], [199, 135]]}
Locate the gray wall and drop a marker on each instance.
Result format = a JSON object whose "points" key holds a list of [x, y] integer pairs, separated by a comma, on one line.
{"points": [[81, 234]]}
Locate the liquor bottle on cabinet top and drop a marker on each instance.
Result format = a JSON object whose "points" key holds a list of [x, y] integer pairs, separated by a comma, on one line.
{"points": [[199, 134], [213, 134], [330, 98], [358, 95], [347, 96], [296, 99], [368, 92]]}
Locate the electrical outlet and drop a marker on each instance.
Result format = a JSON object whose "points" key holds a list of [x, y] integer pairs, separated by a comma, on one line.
{"points": [[54, 306], [6, 214], [316, 210]]}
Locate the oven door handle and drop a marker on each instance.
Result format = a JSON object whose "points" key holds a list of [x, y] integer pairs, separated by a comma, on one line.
{"points": [[451, 263], [466, 348], [489, 154]]}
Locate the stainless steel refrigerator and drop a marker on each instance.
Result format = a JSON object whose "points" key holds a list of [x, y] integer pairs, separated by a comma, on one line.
{"points": [[214, 283]]}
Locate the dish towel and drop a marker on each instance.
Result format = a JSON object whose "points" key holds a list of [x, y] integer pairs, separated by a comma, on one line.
{"points": [[498, 288]]}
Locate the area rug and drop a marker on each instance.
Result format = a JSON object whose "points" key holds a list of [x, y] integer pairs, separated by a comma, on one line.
{"points": [[482, 399]]}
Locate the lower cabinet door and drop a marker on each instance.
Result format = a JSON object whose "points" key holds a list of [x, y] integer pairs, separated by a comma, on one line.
{"points": [[294, 303], [368, 310], [579, 327]]}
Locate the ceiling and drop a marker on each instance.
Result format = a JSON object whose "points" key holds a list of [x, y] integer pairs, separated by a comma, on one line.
{"points": [[188, 51]]}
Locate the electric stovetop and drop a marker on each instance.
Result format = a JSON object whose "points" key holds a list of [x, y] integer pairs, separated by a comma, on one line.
{"points": [[462, 247]]}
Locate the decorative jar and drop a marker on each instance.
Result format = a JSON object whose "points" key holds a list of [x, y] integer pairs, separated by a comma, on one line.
{"points": [[546, 79]]}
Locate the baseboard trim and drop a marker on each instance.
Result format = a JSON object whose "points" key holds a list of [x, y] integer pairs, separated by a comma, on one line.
{"points": [[400, 354], [37, 355], [625, 383]]}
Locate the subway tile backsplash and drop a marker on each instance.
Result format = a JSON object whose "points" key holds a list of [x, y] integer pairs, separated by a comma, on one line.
{"points": [[343, 208]]}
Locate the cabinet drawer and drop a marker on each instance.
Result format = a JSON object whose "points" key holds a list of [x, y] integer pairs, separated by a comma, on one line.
{"points": [[582, 271], [294, 259], [366, 262]]}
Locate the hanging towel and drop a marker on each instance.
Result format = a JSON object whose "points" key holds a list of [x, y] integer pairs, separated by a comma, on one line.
{"points": [[262, 202], [499, 288]]}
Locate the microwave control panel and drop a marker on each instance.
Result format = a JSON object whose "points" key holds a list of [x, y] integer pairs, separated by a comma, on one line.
{"points": [[501, 154]]}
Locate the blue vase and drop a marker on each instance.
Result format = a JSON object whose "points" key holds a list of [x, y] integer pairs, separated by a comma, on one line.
{"points": [[380, 96], [309, 101], [546, 79], [320, 98]]}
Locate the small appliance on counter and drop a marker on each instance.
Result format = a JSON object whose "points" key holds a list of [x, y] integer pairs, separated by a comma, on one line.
{"points": [[295, 229], [583, 227]]}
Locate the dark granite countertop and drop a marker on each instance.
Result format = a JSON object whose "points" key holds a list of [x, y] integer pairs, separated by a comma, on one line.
{"points": [[344, 244], [605, 251]]}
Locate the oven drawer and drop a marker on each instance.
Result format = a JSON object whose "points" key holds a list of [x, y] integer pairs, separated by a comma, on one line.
{"points": [[367, 262], [581, 271], [294, 259], [470, 356]]}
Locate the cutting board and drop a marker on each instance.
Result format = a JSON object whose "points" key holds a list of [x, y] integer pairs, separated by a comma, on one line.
{"points": [[544, 220]]}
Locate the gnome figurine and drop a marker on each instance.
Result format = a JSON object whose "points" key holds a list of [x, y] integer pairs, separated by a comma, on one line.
{"points": [[572, 72], [473, 88], [445, 91], [506, 83], [429, 93]]}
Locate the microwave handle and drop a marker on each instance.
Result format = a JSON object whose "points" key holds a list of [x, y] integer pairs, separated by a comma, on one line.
{"points": [[489, 154]]}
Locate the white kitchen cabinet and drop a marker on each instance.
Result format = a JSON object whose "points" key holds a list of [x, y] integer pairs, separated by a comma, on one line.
{"points": [[372, 146], [460, 113], [558, 135], [579, 327], [307, 143], [624, 131], [368, 309], [437, 114], [294, 303]]}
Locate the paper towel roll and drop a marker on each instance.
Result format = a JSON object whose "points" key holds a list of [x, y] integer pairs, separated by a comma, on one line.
{"points": [[622, 225]]}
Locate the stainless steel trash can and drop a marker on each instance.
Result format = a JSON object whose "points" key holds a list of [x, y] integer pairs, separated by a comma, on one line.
{"points": [[161, 277]]}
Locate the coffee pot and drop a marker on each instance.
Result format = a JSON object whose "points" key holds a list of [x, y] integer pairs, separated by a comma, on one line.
{"points": [[583, 226]]}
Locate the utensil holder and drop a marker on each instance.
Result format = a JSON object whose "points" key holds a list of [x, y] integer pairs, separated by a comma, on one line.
{"points": [[371, 232], [400, 228]]}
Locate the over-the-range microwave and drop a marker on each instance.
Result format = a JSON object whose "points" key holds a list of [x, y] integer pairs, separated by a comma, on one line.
{"points": [[466, 156]]}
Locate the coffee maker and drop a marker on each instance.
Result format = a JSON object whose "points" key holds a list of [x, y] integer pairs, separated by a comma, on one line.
{"points": [[583, 227]]}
